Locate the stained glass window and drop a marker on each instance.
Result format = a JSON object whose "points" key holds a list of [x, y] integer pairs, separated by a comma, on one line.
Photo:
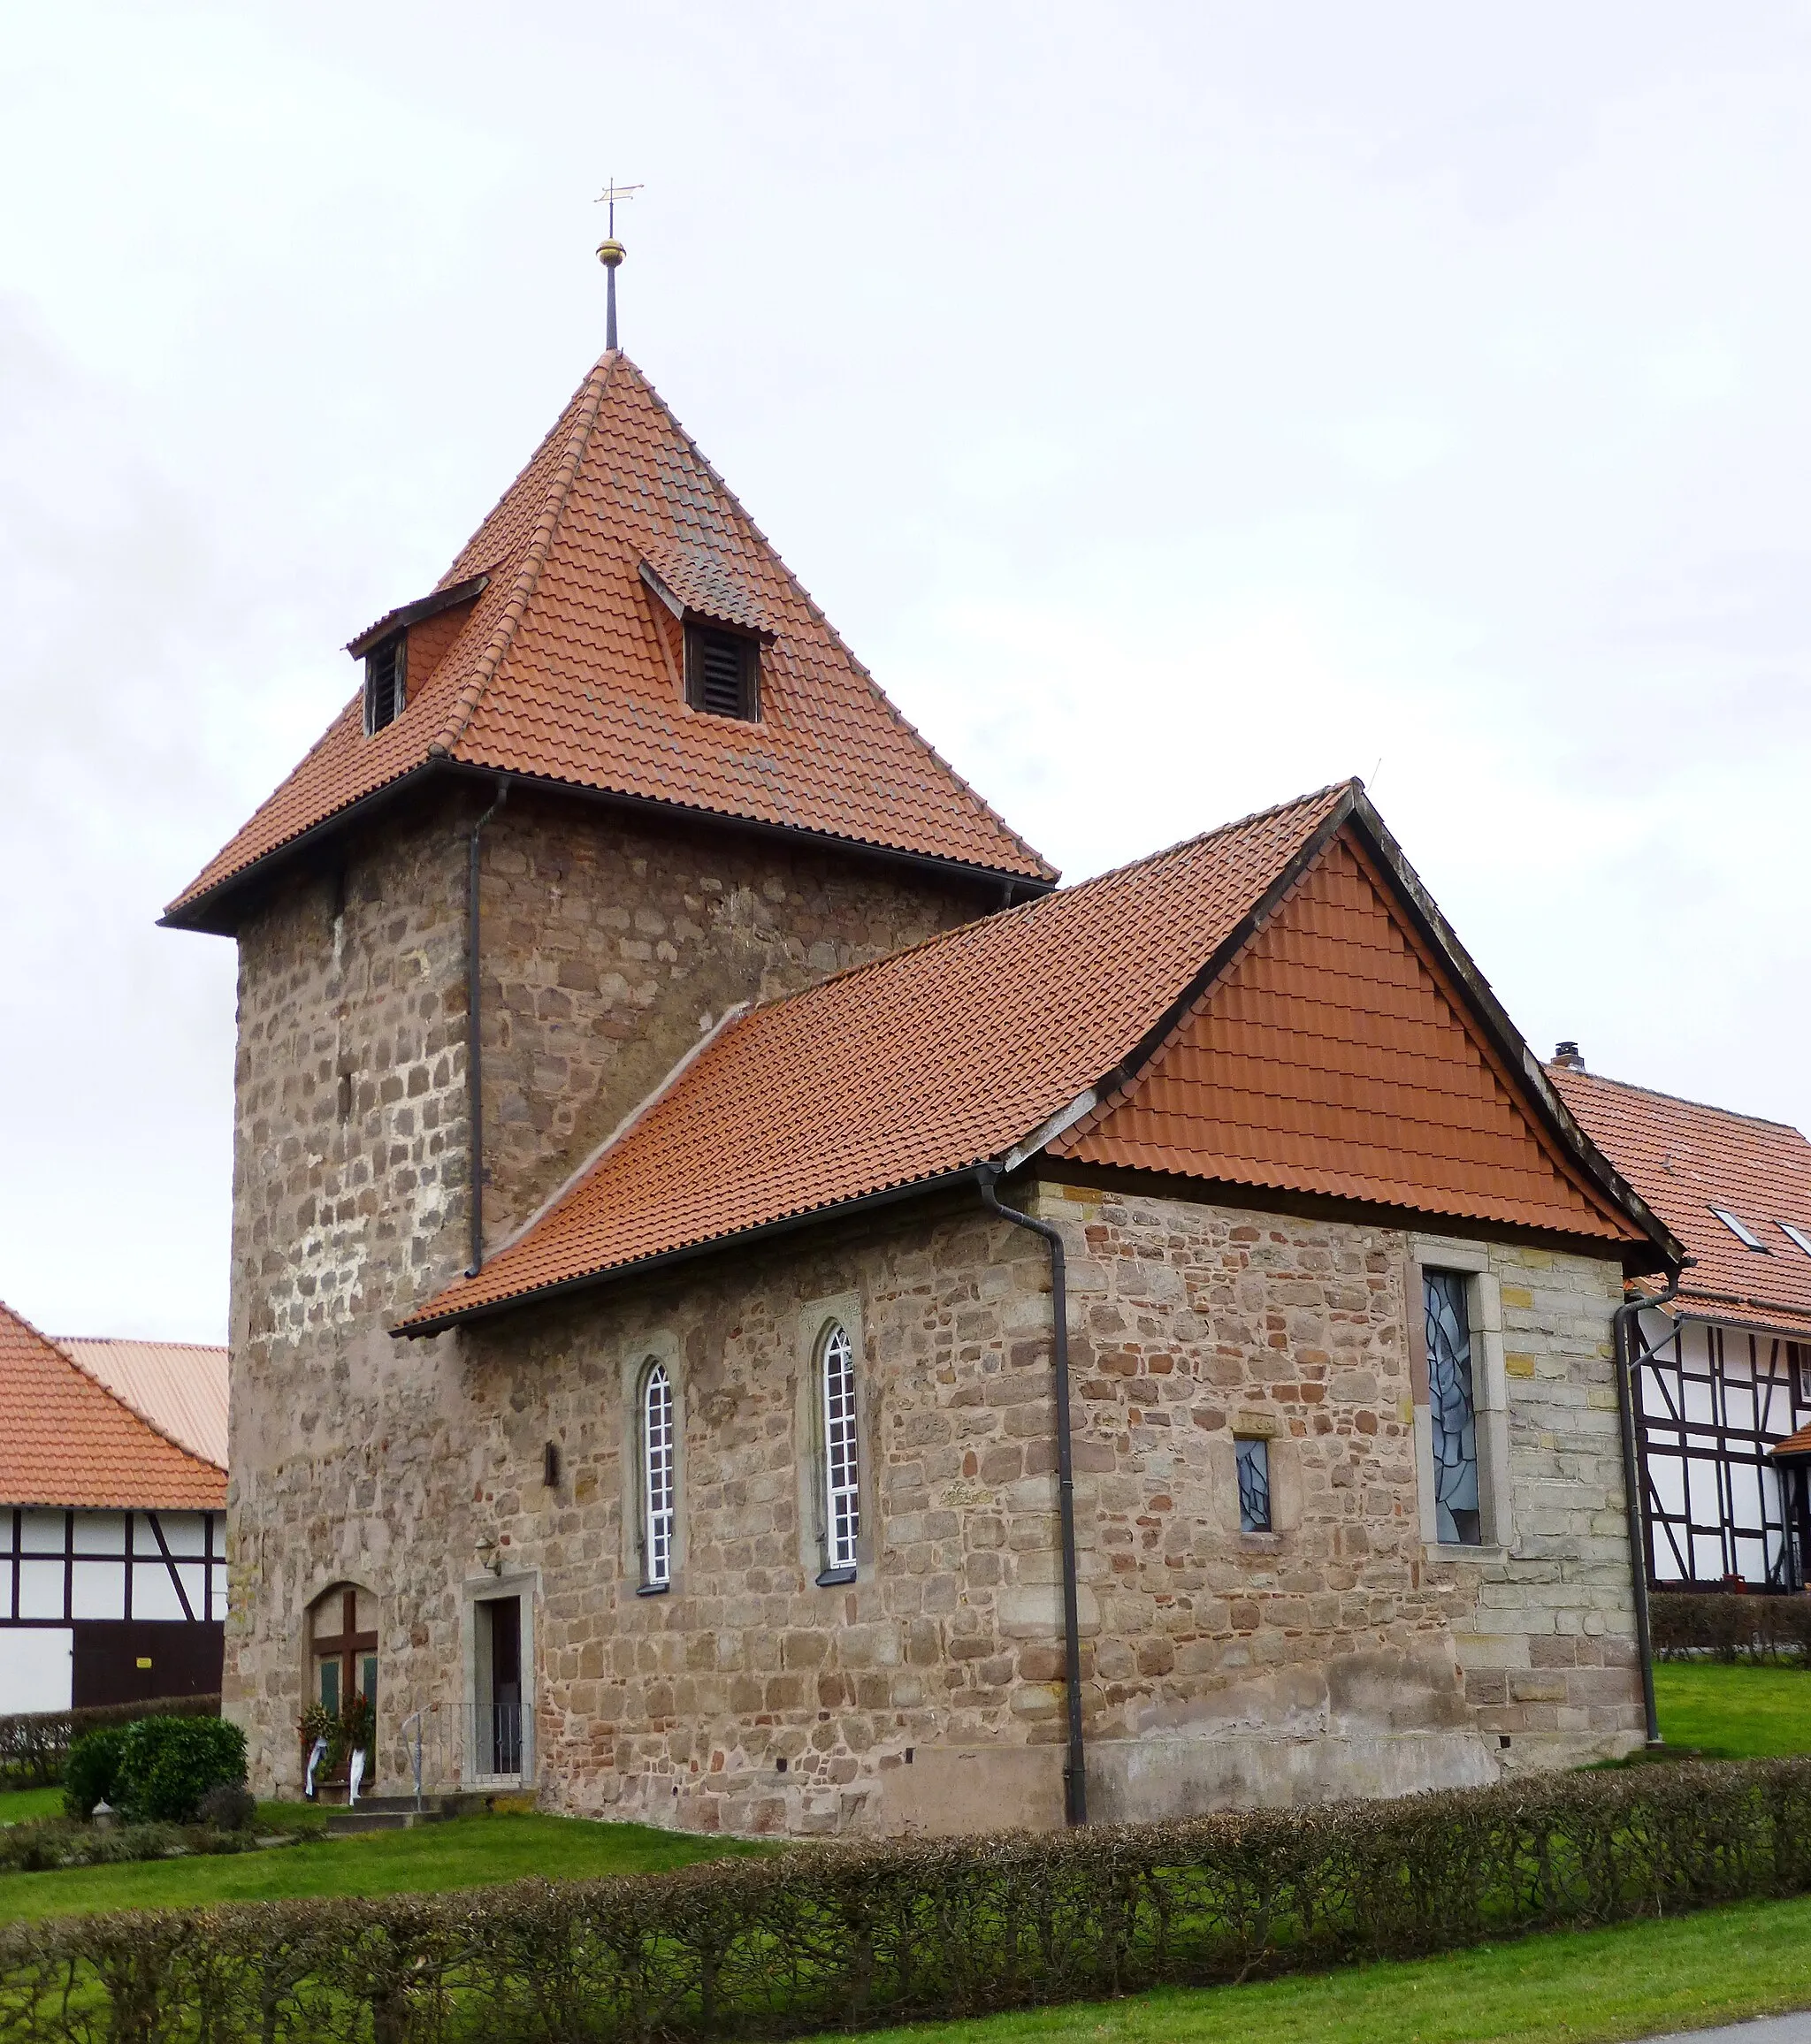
{"points": [[842, 1466], [1455, 1414], [657, 1478], [1253, 1458]]}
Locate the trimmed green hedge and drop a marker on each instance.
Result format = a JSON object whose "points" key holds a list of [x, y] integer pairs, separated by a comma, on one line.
{"points": [[1762, 1629], [35, 1745], [850, 1936]]}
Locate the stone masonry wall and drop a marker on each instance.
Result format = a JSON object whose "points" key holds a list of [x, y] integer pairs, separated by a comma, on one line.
{"points": [[1337, 1654], [608, 945]]}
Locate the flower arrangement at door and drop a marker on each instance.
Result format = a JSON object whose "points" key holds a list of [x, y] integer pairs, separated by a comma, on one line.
{"points": [[346, 1731]]}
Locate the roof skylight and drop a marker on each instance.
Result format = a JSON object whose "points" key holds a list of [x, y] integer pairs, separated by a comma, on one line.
{"points": [[1801, 1236], [1741, 1231]]}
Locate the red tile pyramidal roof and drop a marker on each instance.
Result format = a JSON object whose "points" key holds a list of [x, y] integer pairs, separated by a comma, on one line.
{"points": [[66, 1439], [1347, 1059], [557, 667], [1684, 1158]]}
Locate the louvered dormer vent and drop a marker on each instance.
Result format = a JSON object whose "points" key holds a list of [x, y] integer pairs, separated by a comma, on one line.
{"points": [[722, 673], [383, 677]]}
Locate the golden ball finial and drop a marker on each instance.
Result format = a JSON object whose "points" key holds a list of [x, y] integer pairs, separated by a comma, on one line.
{"points": [[610, 254]]}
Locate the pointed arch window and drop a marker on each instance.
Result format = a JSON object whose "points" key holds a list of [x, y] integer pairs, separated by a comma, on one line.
{"points": [[658, 1477], [842, 1455]]}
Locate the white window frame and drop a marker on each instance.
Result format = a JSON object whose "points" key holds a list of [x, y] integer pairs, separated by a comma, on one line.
{"points": [[657, 1412], [1794, 1233], [840, 1445]]}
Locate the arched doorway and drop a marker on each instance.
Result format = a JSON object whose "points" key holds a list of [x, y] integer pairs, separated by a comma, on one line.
{"points": [[343, 1647]]}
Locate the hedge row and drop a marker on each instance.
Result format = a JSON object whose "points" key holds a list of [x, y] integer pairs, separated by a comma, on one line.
{"points": [[845, 1937], [35, 1745], [1728, 1626]]}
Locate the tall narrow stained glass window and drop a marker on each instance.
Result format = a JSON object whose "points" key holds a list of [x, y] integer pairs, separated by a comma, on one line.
{"points": [[1454, 1410], [656, 1478], [1253, 1461], [842, 1464]]}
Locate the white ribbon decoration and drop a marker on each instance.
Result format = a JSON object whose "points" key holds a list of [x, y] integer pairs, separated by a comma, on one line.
{"points": [[356, 1774], [314, 1761]]}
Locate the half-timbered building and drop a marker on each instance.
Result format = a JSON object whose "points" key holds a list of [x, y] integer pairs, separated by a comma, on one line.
{"points": [[1722, 1377], [112, 1528]]}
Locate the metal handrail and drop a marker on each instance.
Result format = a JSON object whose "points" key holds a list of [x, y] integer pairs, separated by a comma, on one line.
{"points": [[415, 1718]]}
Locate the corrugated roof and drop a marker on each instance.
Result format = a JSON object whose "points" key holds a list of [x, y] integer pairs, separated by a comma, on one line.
{"points": [[1684, 1158], [924, 1065], [179, 1387], [560, 671], [65, 1440]]}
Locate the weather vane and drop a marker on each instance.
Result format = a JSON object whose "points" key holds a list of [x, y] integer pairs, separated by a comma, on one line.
{"points": [[610, 252]]}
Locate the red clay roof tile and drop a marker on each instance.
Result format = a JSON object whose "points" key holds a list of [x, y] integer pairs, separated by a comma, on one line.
{"points": [[1684, 1158], [66, 1439], [558, 671], [924, 1065]]}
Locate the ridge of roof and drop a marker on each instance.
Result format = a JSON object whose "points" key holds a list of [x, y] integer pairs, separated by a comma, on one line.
{"points": [[836, 637], [125, 1404], [464, 705], [180, 1388], [15, 1326], [914, 1071], [1572, 1073], [997, 918]]}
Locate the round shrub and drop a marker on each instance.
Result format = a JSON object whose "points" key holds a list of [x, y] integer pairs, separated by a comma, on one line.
{"points": [[227, 1806], [91, 1773], [167, 1765]]}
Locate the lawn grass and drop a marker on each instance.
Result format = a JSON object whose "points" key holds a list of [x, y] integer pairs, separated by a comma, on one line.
{"points": [[1734, 1713], [1566, 1988], [22, 1805], [464, 1852]]}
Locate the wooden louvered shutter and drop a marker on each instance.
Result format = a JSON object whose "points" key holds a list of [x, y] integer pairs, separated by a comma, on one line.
{"points": [[722, 673]]}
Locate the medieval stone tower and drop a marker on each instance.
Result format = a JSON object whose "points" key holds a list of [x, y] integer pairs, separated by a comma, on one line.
{"points": [[614, 777]]}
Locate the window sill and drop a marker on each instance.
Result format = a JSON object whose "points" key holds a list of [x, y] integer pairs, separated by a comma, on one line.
{"points": [[1458, 1550], [653, 1589], [829, 1578]]}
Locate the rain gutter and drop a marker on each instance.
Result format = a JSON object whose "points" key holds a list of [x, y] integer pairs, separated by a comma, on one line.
{"points": [[1075, 1766], [475, 1037], [1623, 1320]]}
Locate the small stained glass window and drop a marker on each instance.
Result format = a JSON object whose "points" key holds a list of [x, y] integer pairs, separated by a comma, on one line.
{"points": [[1458, 1521], [1253, 1460]]}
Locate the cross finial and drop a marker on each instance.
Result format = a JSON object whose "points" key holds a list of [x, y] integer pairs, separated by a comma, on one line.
{"points": [[611, 252]]}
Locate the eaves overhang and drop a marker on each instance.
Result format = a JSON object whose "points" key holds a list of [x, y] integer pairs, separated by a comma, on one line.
{"points": [[688, 1252], [218, 912]]}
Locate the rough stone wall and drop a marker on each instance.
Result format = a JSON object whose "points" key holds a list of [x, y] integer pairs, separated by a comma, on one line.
{"points": [[1337, 1654], [611, 945], [608, 943], [1545, 1621]]}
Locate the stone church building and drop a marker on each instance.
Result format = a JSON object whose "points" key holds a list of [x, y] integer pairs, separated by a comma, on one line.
{"points": [[695, 1175]]}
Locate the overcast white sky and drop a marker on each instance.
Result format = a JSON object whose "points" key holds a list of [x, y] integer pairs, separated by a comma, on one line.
{"points": [[1178, 406]]}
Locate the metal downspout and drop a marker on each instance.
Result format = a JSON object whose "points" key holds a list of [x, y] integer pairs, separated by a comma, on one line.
{"points": [[474, 1040], [1075, 1768], [1623, 1319]]}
